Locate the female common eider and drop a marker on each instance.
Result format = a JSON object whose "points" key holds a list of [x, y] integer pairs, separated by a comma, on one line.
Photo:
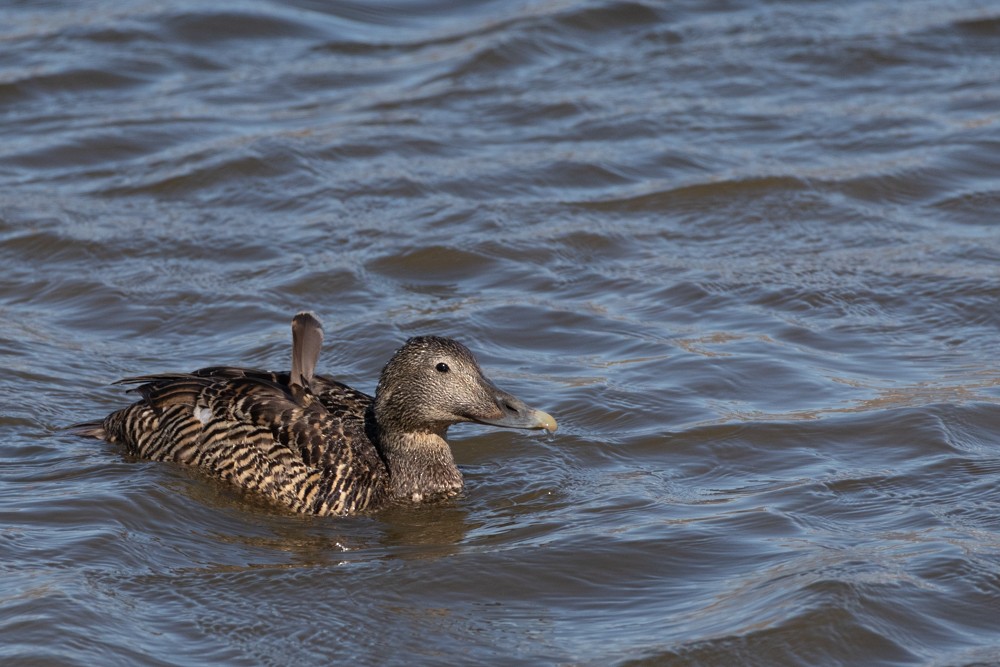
{"points": [[313, 444]]}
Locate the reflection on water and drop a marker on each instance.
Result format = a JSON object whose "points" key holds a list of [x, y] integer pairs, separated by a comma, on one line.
{"points": [[744, 253]]}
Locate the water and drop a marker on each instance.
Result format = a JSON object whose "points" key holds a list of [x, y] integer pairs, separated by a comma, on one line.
{"points": [[745, 252]]}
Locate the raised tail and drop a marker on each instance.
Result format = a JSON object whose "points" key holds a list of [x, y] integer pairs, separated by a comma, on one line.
{"points": [[307, 339]]}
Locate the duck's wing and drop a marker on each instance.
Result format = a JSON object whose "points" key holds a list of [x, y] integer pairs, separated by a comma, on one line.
{"points": [[216, 372], [346, 403], [251, 429]]}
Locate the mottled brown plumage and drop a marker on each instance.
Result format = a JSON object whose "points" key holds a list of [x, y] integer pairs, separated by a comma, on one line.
{"points": [[311, 443]]}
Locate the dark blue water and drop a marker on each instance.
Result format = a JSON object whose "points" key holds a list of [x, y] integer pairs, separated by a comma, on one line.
{"points": [[747, 254]]}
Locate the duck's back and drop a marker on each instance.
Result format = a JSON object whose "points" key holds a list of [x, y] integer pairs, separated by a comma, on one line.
{"points": [[305, 449]]}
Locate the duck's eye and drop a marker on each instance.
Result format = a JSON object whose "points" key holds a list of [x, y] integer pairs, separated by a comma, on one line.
{"points": [[442, 367]]}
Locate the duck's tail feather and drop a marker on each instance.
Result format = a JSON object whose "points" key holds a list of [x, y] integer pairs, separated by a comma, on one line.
{"points": [[94, 429]]}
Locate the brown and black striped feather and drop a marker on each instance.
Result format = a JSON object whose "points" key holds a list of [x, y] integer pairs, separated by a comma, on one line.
{"points": [[307, 451]]}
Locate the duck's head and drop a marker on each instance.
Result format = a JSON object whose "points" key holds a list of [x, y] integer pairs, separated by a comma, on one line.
{"points": [[431, 383]]}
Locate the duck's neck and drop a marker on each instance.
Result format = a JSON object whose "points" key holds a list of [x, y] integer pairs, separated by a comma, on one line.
{"points": [[421, 466]]}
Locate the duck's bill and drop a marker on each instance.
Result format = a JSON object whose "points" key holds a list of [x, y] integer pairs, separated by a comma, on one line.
{"points": [[513, 413]]}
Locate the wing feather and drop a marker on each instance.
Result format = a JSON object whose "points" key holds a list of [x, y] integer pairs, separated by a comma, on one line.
{"points": [[251, 428]]}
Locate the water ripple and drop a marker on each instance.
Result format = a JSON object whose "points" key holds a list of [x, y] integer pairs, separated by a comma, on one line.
{"points": [[745, 253]]}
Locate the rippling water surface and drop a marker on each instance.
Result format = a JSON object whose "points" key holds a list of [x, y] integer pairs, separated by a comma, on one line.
{"points": [[747, 253]]}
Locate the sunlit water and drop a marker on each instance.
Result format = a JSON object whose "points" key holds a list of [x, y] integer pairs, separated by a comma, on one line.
{"points": [[746, 253]]}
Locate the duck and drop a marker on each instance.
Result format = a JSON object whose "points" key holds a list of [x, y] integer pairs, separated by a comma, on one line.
{"points": [[314, 445]]}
